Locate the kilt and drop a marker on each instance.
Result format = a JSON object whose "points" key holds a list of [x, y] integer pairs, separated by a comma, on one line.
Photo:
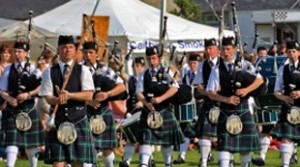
{"points": [[108, 139], [246, 141], [82, 150], [168, 134], [33, 137], [283, 129], [203, 126], [187, 129]]}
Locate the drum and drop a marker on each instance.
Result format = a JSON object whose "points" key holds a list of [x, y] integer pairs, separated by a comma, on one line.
{"points": [[130, 127], [267, 69], [185, 112], [267, 116]]}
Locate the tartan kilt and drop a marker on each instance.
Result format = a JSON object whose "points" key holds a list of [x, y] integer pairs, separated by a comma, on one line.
{"points": [[187, 129], [108, 139], [203, 126], [82, 150], [283, 129], [168, 134], [246, 141], [33, 137]]}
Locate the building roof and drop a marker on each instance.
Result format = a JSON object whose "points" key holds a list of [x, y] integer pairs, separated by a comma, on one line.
{"points": [[18, 10], [248, 5]]}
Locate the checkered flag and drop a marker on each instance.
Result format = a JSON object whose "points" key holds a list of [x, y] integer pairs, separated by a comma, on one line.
{"points": [[279, 16]]}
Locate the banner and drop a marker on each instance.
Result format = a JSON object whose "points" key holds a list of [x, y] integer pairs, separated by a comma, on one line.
{"points": [[101, 28], [181, 45]]}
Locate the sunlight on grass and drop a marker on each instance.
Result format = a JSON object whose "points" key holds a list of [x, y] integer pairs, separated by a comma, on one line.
{"points": [[192, 159]]}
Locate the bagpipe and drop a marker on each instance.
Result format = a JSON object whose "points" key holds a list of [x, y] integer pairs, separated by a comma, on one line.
{"points": [[27, 80], [103, 83], [184, 93], [240, 77]]}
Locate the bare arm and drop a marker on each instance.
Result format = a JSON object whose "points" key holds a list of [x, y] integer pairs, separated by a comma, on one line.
{"points": [[77, 96], [286, 99], [169, 93], [202, 90], [234, 100], [119, 88], [243, 92]]}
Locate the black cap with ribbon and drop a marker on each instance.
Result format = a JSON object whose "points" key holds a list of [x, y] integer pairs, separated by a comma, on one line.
{"points": [[152, 50], [228, 41], [62, 40], [22, 45], [90, 45], [292, 45], [210, 42]]}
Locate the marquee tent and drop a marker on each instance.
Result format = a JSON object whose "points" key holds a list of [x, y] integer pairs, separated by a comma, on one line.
{"points": [[10, 32], [5, 22], [130, 20]]}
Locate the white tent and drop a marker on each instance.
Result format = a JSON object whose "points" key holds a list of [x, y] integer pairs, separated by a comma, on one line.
{"points": [[5, 22], [131, 20], [9, 34], [12, 31]]}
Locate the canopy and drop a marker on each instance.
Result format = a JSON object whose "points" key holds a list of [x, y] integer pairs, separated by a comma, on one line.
{"points": [[133, 19], [9, 34], [5, 22], [19, 29]]}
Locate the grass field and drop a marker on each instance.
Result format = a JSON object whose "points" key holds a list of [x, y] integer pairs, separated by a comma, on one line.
{"points": [[192, 159]]}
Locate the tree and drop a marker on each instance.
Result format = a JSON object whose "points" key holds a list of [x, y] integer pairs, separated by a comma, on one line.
{"points": [[187, 9]]}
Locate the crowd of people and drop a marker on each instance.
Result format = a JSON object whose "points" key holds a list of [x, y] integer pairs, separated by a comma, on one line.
{"points": [[71, 106]]}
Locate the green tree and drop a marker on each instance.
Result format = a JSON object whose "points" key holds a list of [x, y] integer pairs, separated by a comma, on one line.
{"points": [[187, 9]]}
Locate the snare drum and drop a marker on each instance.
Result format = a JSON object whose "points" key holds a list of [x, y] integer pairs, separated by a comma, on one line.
{"points": [[267, 116], [130, 127], [185, 112]]}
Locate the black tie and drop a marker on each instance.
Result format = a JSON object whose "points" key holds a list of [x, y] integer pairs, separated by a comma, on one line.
{"points": [[91, 70], [66, 69], [20, 69], [152, 71], [292, 68], [229, 67], [211, 64], [192, 76]]}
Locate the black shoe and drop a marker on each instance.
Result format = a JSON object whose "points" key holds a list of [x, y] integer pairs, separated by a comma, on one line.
{"points": [[258, 161], [151, 163], [123, 164], [294, 159], [210, 157], [179, 160]]}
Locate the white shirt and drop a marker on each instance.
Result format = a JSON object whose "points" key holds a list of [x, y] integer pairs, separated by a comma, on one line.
{"points": [[196, 79], [279, 78], [200, 69], [140, 81], [214, 79], [46, 85], [5, 74]]}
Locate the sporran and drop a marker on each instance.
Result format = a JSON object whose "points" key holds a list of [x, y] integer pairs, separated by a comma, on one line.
{"points": [[213, 115], [23, 121], [97, 125], [66, 133], [234, 125], [293, 115], [154, 120]]}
